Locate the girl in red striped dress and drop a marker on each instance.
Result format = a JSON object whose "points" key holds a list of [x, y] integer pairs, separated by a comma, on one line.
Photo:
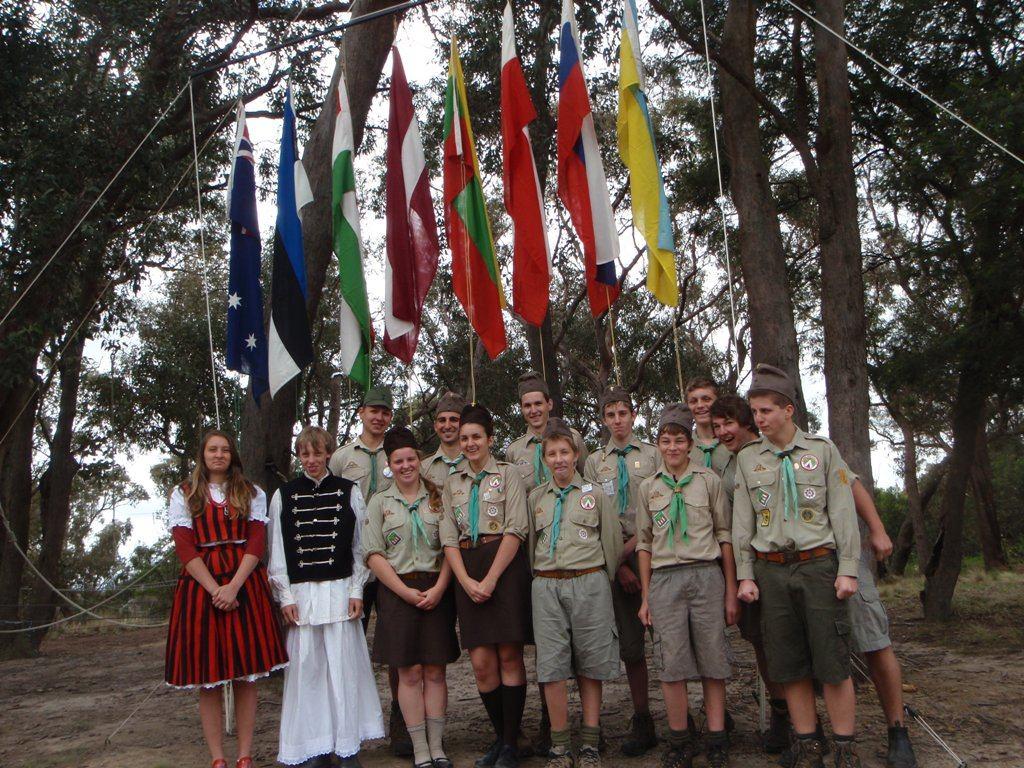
{"points": [[222, 627]]}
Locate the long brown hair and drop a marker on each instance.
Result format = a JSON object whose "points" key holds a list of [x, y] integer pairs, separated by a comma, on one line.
{"points": [[433, 494], [240, 491]]}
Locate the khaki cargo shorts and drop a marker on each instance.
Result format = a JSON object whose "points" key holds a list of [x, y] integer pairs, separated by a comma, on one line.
{"points": [[687, 605], [574, 628], [806, 629], [868, 619]]}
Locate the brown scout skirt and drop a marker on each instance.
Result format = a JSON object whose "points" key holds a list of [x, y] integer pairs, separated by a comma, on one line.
{"points": [[406, 635], [507, 616]]}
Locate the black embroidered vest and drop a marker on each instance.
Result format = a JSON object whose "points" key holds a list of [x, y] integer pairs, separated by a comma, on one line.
{"points": [[317, 523]]}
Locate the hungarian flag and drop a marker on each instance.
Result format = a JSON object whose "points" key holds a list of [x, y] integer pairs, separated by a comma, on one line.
{"points": [[412, 246], [475, 274], [581, 181], [531, 259], [247, 341], [290, 345], [639, 154], [356, 330]]}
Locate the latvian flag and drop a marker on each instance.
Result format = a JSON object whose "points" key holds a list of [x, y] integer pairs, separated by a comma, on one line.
{"points": [[581, 181], [290, 345]]}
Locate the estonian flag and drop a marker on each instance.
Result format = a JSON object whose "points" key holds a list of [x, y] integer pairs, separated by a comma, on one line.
{"points": [[291, 348], [247, 341]]}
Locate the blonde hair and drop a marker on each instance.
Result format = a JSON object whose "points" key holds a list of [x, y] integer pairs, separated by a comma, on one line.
{"points": [[315, 437], [239, 492]]}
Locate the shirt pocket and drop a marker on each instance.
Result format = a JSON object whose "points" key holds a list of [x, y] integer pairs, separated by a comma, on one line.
{"points": [[393, 529], [431, 523], [761, 487], [812, 492], [492, 508], [608, 478], [659, 507]]}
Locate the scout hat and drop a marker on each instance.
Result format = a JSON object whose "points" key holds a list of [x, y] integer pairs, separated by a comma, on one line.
{"points": [[379, 396], [613, 394], [449, 402], [531, 381], [399, 437], [768, 378], [676, 414], [557, 427]]}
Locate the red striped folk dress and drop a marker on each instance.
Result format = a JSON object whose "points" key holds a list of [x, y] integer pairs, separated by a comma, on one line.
{"points": [[205, 645]]}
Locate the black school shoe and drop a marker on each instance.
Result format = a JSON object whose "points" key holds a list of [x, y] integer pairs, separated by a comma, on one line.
{"points": [[490, 757], [901, 752], [507, 757]]}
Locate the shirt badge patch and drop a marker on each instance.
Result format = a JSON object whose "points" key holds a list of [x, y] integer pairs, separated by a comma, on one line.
{"points": [[492, 511], [660, 519], [538, 511], [810, 493], [657, 495], [587, 487], [583, 534], [387, 472], [494, 525], [495, 482], [809, 462], [459, 516], [636, 464], [608, 486], [393, 539], [760, 468], [763, 497], [352, 465], [588, 502], [842, 477], [487, 495], [766, 518], [807, 515]]}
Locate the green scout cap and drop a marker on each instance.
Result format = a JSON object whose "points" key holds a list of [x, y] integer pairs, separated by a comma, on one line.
{"points": [[613, 394], [379, 396], [449, 402], [557, 427], [768, 378], [531, 381], [399, 437], [677, 414]]}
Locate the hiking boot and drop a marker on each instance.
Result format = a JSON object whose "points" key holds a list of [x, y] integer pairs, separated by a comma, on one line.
{"points": [[807, 753], [641, 736], [398, 734], [776, 739], [716, 749], [901, 753], [788, 757], [846, 755], [679, 757], [559, 759], [507, 757], [490, 757], [588, 757]]}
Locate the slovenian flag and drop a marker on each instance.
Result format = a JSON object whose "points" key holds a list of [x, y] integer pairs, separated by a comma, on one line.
{"points": [[639, 154], [355, 328], [290, 345], [247, 341], [531, 257], [582, 187], [475, 275]]}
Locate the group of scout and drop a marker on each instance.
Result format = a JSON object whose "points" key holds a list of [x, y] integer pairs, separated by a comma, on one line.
{"points": [[734, 516]]}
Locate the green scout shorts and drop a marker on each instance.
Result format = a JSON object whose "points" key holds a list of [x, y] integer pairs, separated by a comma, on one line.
{"points": [[627, 619], [574, 626], [687, 605], [749, 623], [868, 618], [806, 629]]}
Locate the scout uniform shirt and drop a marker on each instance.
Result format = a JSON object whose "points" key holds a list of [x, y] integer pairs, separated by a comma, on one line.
{"points": [[641, 460], [357, 462], [499, 499], [407, 535], [438, 467], [527, 454], [713, 455], [816, 511], [585, 528], [676, 535]]}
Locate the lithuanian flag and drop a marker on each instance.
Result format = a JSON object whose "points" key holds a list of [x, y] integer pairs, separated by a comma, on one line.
{"points": [[475, 275]]}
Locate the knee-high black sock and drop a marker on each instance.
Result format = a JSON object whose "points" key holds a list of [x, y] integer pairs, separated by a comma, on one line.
{"points": [[513, 703], [493, 704]]}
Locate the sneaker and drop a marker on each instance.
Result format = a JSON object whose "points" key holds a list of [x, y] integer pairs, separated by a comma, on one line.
{"points": [[588, 757], [508, 757], [776, 739], [560, 759], [398, 734], [901, 753], [807, 753], [641, 736], [846, 755], [490, 757]]}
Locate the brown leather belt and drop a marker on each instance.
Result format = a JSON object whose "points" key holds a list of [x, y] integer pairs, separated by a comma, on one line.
{"points": [[567, 574], [785, 558], [468, 543]]}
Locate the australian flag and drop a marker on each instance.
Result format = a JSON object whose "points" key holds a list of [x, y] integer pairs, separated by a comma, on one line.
{"points": [[247, 342]]}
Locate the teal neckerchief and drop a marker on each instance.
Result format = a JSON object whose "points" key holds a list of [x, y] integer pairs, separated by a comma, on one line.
{"points": [[452, 464], [474, 505], [556, 521], [789, 491], [415, 520], [677, 512], [540, 471], [708, 450], [373, 469], [622, 494]]}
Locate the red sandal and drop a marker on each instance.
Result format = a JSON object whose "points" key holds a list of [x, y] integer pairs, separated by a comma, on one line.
{"points": [[243, 762], [220, 762]]}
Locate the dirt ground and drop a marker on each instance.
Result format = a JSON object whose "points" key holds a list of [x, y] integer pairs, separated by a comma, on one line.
{"points": [[58, 710]]}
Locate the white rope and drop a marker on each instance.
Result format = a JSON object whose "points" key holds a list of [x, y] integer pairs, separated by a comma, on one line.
{"points": [[95, 202], [907, 83], [81, 610], [106, 741], [721, 187], [202, 253]]}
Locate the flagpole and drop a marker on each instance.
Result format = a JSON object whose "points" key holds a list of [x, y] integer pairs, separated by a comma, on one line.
{"points": [[543, 363], [679, 364], [611, 327]]}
